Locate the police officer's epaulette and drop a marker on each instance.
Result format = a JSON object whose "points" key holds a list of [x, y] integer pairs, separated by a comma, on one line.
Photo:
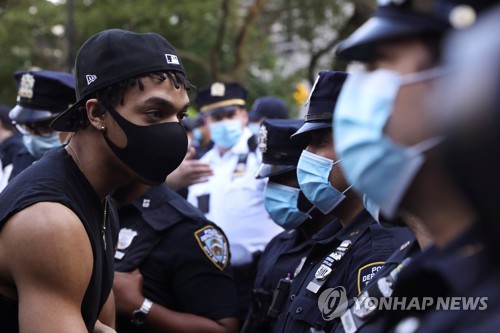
{"points": [[253, 143]]}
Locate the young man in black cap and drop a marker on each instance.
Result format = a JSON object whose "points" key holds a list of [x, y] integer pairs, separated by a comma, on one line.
{"points": [[10, 143], [352, 248], [232, 197], [56, 241], [41, 97], [391, 152]]}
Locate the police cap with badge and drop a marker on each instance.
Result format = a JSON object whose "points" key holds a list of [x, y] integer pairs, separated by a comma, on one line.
{"points": [[321, 103], [279, 153], [402, 18], [221, 98], [42, 95]]}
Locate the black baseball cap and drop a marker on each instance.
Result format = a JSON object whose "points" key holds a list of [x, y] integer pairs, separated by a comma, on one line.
{"points": [[279, 153], [321, 102], [112, 56], [42, 95]]}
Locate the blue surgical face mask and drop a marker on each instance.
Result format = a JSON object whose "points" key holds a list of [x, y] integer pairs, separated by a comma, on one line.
{"points": [[371, 161], [197, 135], [312, 173], [38, 145], [226, 133], [372, 208], [254, 128], [281, 203]]}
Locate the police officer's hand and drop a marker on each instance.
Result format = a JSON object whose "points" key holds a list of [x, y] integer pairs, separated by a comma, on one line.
{"points": [[127, 288], [190, 172], [101, 328]]}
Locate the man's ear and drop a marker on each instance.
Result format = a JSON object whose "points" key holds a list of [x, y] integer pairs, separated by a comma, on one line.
{"points": [[96, 114]]}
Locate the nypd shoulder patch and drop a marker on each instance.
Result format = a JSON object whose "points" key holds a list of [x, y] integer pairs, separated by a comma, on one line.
{"points": [[214, 244], [367, 272]]}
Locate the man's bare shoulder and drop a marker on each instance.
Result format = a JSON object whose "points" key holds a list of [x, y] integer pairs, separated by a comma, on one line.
{"points": [[43, 241]]}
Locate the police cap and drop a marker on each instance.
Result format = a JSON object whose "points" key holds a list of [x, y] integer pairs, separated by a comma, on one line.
{"points": [[279, 153], [221, 97], [403, 18], [270, 107], [322, 102], [42, 95]]}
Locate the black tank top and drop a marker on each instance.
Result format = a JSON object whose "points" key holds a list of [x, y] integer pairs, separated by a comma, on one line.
{"points": [[57, 178]]}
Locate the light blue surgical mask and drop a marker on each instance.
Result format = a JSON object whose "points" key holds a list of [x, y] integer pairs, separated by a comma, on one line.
{"points": [[197, 135], [312, 173], [226, 133], [372, 208], [254, 128], [371, 161], [38, 145], [281, 203]]}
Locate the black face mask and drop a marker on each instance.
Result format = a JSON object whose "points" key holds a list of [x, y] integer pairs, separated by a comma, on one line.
{"points": [[152, 151]]}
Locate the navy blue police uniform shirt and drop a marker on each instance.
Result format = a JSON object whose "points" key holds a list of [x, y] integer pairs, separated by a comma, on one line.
{"points": [[9, 147], [183, 257], [467, 267], [371, 245], [67, 185], [375, 322], [283, 257], [20, 161]]}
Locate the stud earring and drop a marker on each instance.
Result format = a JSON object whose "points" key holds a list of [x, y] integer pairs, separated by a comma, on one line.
{"points": [[103, 128]]}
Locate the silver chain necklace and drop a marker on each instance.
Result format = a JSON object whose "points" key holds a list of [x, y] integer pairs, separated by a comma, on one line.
{"points": [[105, 213]]}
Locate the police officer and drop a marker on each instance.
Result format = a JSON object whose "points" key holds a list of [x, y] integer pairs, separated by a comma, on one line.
{"points": [[198, 135], [349, 251], [288, 207], [470, 125], [392, 154], [10, 143], [175, 263], [192, 170], [266, 107], [42, 96], [232, 197]]}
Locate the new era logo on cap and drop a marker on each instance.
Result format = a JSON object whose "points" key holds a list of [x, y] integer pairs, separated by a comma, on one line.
{"points": [[91, 78], [172, 59]]}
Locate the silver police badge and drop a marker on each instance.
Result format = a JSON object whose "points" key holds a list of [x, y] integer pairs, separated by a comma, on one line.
{"points": [[323, 272], [26, 86], [217, 89], [263, 139], [214, 244], [125, 238]]}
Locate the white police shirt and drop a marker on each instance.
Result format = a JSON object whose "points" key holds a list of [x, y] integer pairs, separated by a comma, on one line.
{"points": [[235, 202]]}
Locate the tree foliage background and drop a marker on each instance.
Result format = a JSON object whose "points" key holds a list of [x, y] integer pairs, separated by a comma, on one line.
{"points": [[268, 45]]}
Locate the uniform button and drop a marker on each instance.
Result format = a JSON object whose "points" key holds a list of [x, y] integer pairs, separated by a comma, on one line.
{"points": [[292, 297], [299, 310], [313, 262]]}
